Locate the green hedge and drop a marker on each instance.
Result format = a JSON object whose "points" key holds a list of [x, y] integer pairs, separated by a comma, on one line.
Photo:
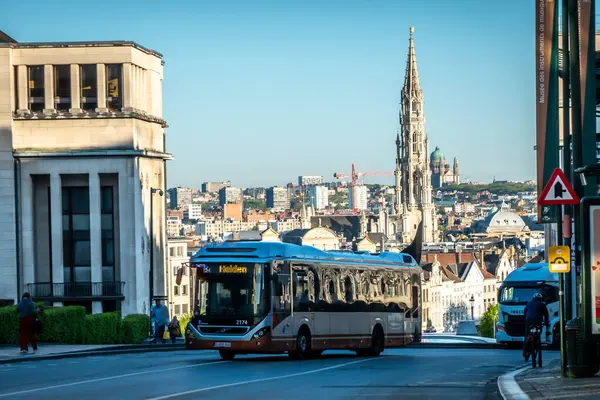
{"points": [[103, 328], [136, 327], [9, 325], [63, 325], [70, 325]]}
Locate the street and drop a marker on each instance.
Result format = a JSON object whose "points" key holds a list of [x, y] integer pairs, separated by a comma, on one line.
{"points": [[405, 373]]}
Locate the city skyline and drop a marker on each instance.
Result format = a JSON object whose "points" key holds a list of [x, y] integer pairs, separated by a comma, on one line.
{"points": [[294, 79]]}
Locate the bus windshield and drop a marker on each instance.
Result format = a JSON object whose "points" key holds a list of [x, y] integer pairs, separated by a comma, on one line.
{"points": [[518, 295], [232, 290]]}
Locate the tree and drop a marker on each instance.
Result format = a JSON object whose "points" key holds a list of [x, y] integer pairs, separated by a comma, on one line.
{"points": [[488, 321]]}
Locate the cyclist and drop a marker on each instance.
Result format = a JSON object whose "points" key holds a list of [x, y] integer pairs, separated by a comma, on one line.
{"points": [[536, 313]]}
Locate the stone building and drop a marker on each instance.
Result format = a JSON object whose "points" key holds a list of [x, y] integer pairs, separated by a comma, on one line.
{"points": [[441, 174], [413, 189], [82, 158]]}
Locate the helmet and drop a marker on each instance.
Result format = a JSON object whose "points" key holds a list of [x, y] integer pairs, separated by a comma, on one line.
{"points": [[537, 296]]}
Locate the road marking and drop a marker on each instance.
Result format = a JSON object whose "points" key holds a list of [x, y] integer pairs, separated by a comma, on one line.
{"points": [[108, 378], [227, 385]]}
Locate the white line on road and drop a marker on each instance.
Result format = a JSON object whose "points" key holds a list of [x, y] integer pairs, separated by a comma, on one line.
{"points": [[108, 378], [168, 396]]}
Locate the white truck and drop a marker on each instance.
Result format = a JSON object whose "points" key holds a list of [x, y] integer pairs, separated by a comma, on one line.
{"points": [[516, 291]]}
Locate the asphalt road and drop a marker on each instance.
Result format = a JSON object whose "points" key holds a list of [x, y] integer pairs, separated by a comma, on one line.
{"points": [[400, 373]]}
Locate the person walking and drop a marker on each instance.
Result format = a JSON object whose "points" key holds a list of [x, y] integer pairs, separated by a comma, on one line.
{"points": [[27, 323], [160, 318], [174, 329]]}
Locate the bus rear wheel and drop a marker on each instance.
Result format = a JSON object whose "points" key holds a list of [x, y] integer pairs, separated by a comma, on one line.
{"points": [[377, 344], [226, 355]]}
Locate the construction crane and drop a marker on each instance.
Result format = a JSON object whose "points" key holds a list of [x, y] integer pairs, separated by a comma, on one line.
{"points": [[355, 176]]}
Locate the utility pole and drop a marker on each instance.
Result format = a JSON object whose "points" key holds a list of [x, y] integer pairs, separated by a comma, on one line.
{"points": [[151, 269]]}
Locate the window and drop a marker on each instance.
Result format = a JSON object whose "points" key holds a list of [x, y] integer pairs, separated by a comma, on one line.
{"points": [[176, 290], [184, 290], [89, 87], [179, 251], [76, 234], [62, 87], [184, 308], [177, 309], [36, 87], [114, 84], [108, 238]]}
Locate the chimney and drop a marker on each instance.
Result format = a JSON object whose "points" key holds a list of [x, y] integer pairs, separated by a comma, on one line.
{"points": [[482, 260]]}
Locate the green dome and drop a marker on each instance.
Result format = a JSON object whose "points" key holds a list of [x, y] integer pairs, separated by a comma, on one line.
{"points": [[437, 155]]}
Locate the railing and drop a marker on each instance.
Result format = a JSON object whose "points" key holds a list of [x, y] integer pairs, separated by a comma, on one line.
{"points": [[76, 290]]}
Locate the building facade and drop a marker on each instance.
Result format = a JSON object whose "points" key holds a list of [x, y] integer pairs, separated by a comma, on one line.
{"points": [[180, 197], [82, 171], [308, 180], [318, 197], [214, 187], [413, 195], [194, 212], [278, 198], [228, 195], [362, 197], [178, 294]]}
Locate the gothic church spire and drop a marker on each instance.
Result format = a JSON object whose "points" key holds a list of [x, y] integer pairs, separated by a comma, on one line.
{"points": [[411, 76]]}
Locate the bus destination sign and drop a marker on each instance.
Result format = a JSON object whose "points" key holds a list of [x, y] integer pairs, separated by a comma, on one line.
{"points": [[223, 269]]}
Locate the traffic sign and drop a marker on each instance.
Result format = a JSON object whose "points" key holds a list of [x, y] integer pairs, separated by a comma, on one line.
{"points": [[558, 191], [559, 259]]}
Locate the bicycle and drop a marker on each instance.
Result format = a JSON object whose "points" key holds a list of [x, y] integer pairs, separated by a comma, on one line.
{"points": [[534, 346]]}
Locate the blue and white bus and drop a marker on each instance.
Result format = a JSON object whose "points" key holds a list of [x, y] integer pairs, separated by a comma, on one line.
{"points": [[259, 297], [516, 291]]}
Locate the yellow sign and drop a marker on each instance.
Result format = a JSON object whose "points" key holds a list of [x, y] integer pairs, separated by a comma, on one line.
{"points": [[232, 269], [559, 259]]}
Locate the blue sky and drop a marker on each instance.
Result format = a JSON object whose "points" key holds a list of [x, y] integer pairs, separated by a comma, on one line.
{"points": [[259, 92]]}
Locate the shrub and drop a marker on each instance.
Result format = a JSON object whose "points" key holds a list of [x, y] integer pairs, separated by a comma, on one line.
{"points": [[63, 325], [9, 325], [488, 321], [103, 328], [136, 327]]}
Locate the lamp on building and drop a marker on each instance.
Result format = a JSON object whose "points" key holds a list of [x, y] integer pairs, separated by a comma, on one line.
{"points": [[472, 300], [151, 272]]}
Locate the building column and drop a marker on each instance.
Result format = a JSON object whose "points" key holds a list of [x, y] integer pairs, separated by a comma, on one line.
{"points": [[49, 90], [101, 73], [58, 276], [95, 235], [128, 88], [75, 91], [23, 90]]}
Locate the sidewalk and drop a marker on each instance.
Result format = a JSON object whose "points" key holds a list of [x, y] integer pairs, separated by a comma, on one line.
{"points": [[546, 383], [11, 354]]}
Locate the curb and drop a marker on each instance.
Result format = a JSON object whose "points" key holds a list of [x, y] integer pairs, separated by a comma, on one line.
{"points": [[458, 346], [99, 352], [509, 388]]}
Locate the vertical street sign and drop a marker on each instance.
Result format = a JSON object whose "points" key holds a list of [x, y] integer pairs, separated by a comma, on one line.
{"points": [[590, 216], [546, 71]]}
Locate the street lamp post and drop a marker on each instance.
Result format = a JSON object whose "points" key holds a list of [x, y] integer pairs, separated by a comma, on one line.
{"points": [[472, 300], [151, 270]]}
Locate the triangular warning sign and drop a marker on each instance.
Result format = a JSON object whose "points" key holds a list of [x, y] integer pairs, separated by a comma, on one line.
{"points": [[558, 191]]}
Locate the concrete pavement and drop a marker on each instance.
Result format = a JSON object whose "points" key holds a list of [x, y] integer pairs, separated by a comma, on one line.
{"points": [[406, 373]]}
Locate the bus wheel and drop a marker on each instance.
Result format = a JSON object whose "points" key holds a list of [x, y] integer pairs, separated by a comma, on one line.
{"points": [[377, 342], [226, 355], [303, 351]]}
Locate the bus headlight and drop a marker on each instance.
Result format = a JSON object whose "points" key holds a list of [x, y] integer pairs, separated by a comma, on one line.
{"points": [[262, 332]]}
